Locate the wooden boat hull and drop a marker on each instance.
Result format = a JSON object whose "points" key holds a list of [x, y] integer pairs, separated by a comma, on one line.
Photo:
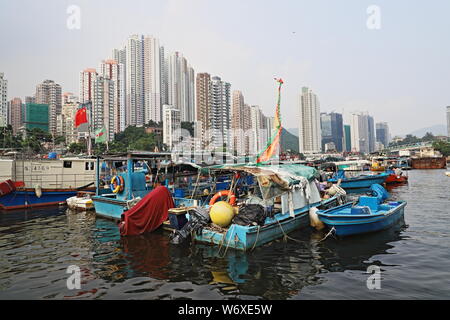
{"points": [[245, 238], [346, 225]]}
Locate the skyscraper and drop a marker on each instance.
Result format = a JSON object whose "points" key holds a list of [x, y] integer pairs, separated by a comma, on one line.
{"points": [[347, 138], [3, 100], [50, 93], [238, 122], [16, 116], [332, 130], [135, 81], [382, 132], [114, 71], [152, 79], [202, 113], [180, 78], [219, 113], [171, 126], [309, 133], [103, 106], [362, 132], [87, 77]]}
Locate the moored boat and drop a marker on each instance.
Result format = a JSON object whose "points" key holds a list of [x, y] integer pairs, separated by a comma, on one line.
{"points": [[428, 162], [362, 181], [45, 182], [370, 214], [284, 195]]}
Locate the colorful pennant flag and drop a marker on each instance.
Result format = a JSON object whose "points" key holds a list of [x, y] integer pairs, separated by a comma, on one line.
{"points": [[274, 142], [100, 135]]}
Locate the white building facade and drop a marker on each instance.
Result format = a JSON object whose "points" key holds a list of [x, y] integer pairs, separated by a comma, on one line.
{"points": [[309, 132]]}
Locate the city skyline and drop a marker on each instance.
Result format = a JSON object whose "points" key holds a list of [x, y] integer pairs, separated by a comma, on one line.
{"points": [[242, 55]]}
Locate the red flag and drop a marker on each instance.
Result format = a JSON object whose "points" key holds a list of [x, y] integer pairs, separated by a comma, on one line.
{"points": [[80, 117]]}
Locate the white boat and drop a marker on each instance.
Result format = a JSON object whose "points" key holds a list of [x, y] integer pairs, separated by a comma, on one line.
{"points": [[448, 173], [82, 201]]}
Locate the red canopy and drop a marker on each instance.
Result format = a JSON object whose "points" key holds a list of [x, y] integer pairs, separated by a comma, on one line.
{"points": [[148, 214]]}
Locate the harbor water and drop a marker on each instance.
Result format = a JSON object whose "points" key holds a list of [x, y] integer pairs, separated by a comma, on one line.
{"points": [[37, 247]]}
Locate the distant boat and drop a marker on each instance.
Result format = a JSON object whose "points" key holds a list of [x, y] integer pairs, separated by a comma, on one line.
{"points": [[362, 181], [429, 163], [448, 173], [370, 214], [394, 177]]}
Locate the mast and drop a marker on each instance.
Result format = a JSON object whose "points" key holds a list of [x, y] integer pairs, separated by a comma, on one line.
{"points": [[89, 141]]}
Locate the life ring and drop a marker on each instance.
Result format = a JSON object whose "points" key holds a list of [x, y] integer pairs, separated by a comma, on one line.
{"points": [[223, 193], [117, 184]]}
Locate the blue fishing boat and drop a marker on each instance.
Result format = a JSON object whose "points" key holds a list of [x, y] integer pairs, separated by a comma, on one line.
{"points": [[362, 181], [286, 192], [123, 180], [370, 214]]}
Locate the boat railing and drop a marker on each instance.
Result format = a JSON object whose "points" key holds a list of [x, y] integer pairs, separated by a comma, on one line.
{"points": [[52, 180]]}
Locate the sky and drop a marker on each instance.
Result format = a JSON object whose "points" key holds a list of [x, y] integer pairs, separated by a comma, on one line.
{"points": [[399, 72]]}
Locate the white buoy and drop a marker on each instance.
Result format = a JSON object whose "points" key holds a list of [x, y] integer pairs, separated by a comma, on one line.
{"points": [[38, 190], [314, 219]]}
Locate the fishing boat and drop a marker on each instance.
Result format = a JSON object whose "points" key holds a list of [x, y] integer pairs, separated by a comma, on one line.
{"points": [[369, 214], [125, 179], [396, 176], [284, 192], [45, 182], [378, 164], [360, 181]]}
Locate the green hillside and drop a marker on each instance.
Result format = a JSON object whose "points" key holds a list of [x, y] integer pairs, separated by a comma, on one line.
{"points": [[289, 141]]}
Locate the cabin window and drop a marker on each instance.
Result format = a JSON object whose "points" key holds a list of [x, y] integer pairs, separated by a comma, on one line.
{"points": [[67, 164], [91, 165], [86, 166]]}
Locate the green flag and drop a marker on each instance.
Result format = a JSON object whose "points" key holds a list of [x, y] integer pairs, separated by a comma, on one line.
{"points": [[100, 135]]}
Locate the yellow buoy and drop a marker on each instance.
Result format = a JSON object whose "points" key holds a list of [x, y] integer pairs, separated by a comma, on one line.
{"points": [[221, 213]]}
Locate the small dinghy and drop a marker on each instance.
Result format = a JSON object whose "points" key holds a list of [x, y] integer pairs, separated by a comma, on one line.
{"points": [[82, 201], [369, 214]]}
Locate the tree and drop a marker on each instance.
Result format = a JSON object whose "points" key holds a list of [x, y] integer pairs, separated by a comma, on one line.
{"points": [[428, 137], [189, 126], [77, 147], [443, 147]]}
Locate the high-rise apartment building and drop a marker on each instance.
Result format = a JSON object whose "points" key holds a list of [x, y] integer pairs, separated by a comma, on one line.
{"points": [[219, 113], [114, 71], [382, 133], [152, 79], [50, 93], [87, 78], [332, 130], [135, 81], [16, 116], [362, 132], [3, 100], [103, 106], [180, 79], [309, 133], [171, 126], [202, 108]]}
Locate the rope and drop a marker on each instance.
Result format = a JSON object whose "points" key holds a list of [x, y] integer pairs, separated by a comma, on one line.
{"points": [[284, 233], [257, 237], [228, 244], [196, 184], [330, 232]]}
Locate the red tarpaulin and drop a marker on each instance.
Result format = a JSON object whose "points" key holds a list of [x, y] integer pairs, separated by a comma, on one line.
{"points": [[148, 214]]}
